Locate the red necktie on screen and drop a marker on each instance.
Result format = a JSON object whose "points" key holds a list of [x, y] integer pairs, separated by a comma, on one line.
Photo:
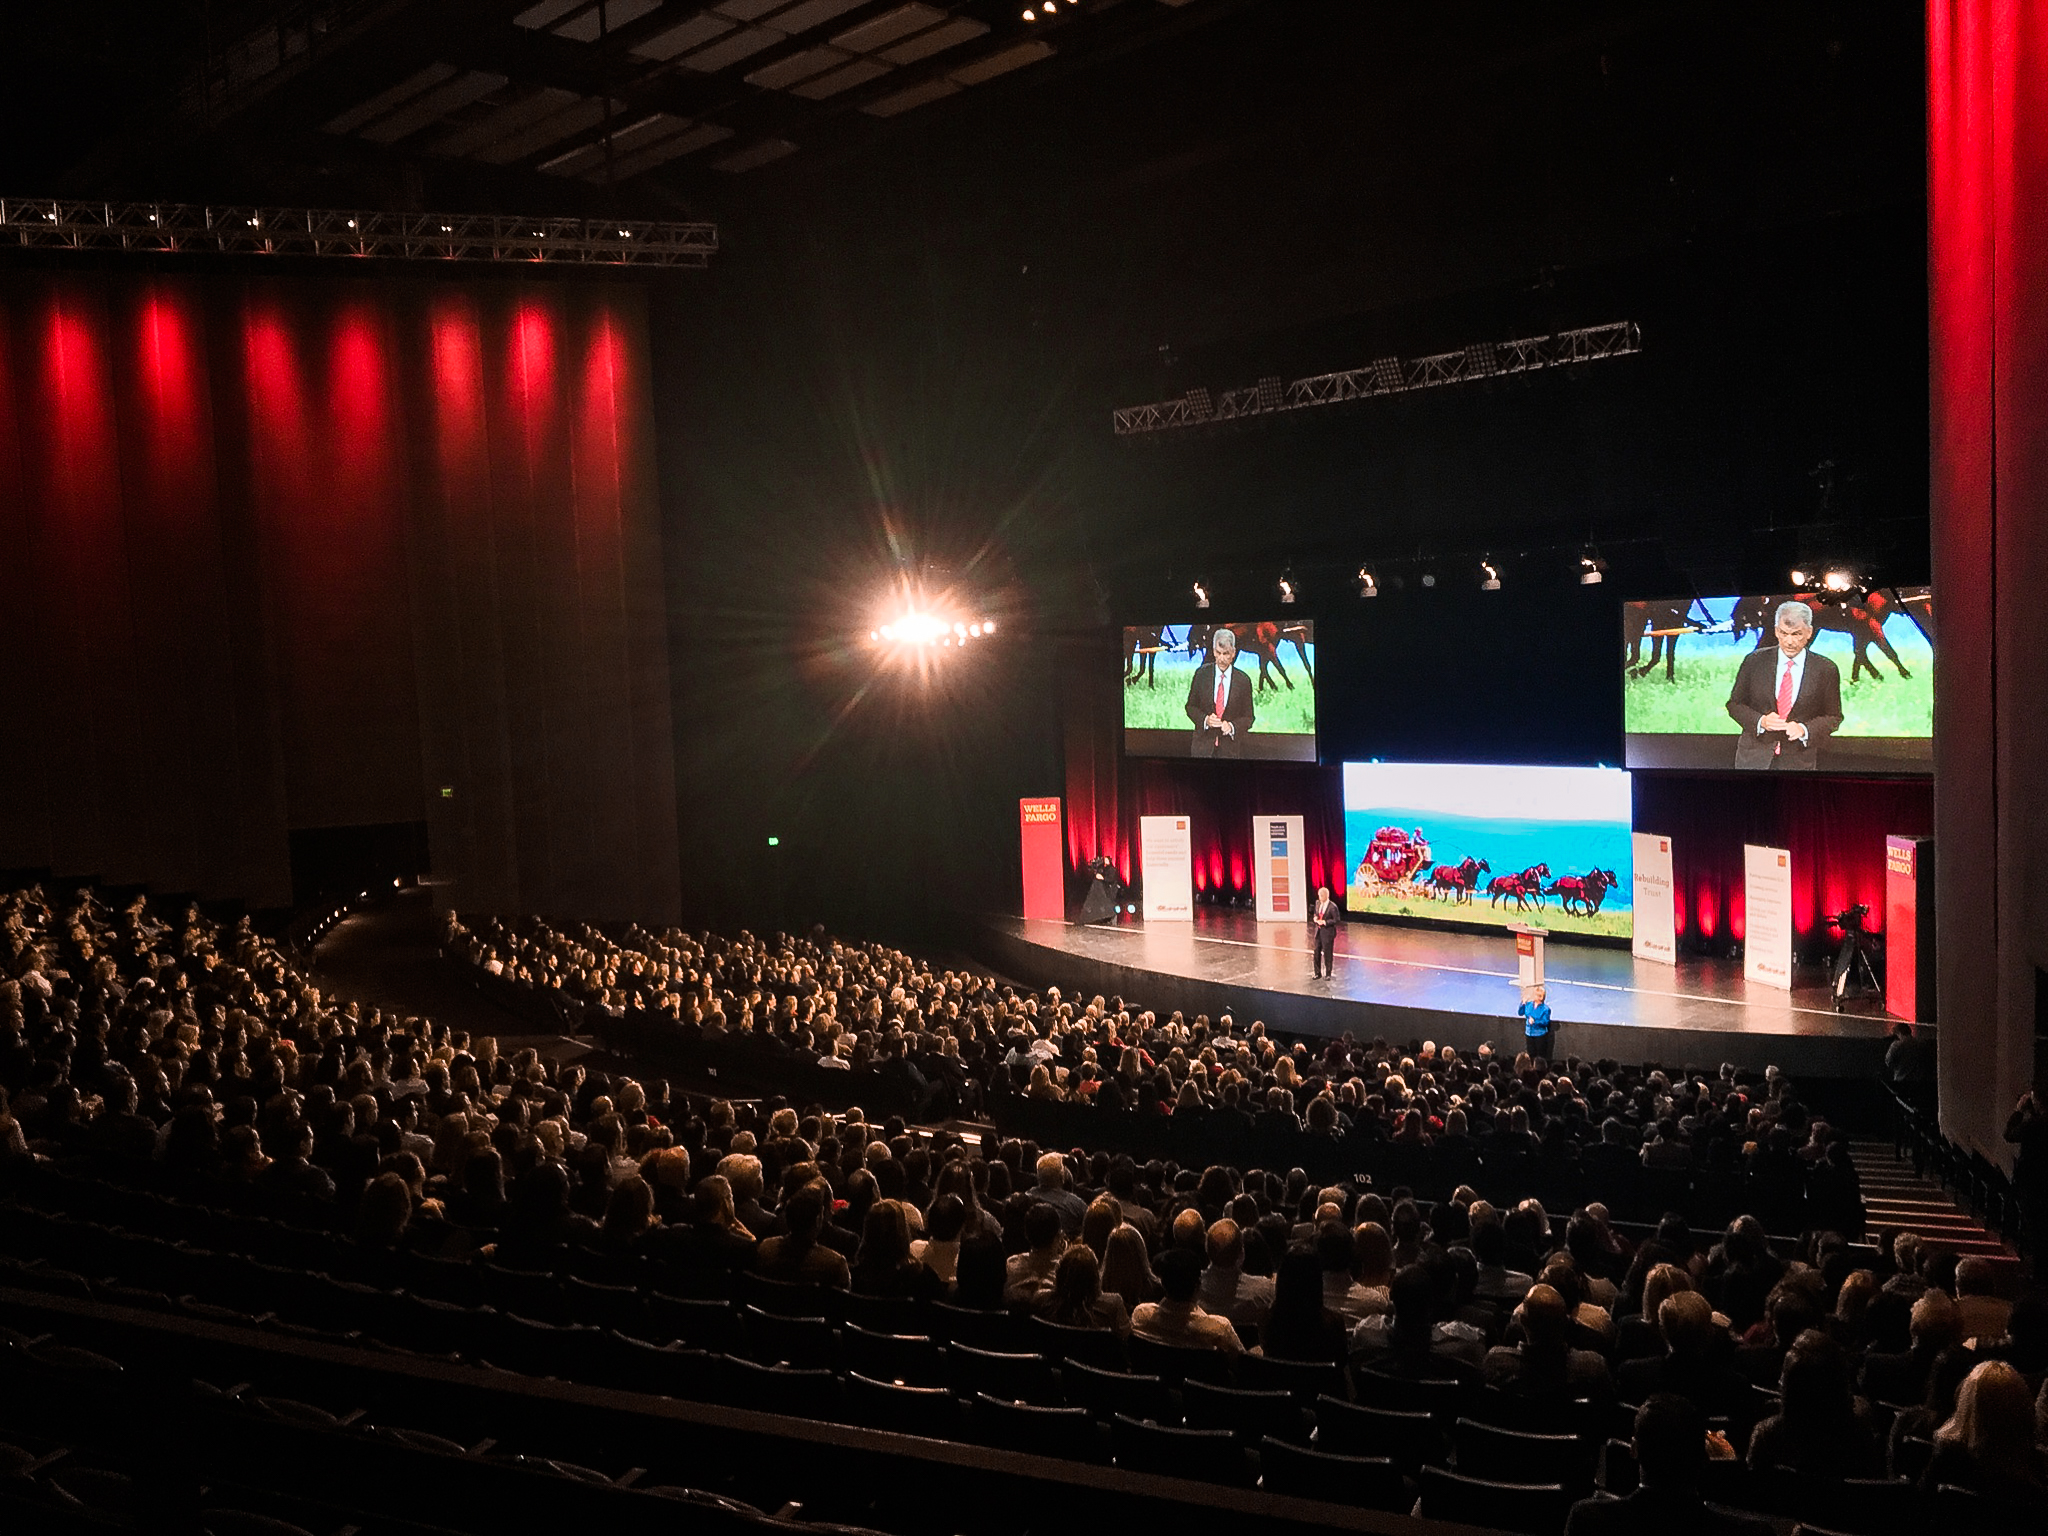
{"points": [[1222, 693], [1784, 700]]}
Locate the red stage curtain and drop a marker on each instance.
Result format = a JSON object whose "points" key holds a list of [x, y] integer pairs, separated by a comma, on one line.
{"points": [[284, 553], [1987, 163]]}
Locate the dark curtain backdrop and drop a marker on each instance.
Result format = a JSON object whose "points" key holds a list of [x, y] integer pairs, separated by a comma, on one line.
{"points": [[1834, 828], [1987, 207], [282, 553]]}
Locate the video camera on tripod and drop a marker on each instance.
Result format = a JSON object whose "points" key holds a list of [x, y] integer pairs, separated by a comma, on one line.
{"points": [[1853, 964]]}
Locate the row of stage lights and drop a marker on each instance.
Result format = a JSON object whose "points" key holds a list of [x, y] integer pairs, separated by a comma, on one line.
{"points": [[1592, 570], [923, 629]]}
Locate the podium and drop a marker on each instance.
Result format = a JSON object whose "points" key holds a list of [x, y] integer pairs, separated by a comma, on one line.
{"points": [[1528, 956]]}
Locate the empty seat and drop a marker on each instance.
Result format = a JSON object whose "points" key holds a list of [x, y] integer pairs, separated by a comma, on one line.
{"points": [[604, 1306], [700, 1324], [932, 1412], [1201, 1455], [1099, 1347], [1536, 1415], [1442, 1398], [998, 1331], [1537, 1509], [776, 1339], [1251, 1416], [1305, 1379], [1351, 1429], [1173, 1363], [911, 1358], [635, 1365], [743, 1383], [1068, 1433], [883, 1314], [1514, 1456], [1372, 1482], [1108, 1393], [788, 1298], [1016, 1378], [531, 1293]]}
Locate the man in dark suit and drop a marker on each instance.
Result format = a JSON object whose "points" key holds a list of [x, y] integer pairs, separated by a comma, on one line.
{"points": [[1219, 701], [1671, 1459], [1787, 698], [1323, 919]]}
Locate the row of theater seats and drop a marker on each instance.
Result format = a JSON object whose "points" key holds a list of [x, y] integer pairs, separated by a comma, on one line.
{"points": [[942, 1372], [238, 1461]]}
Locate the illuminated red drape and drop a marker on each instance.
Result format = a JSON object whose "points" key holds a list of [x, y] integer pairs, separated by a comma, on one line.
{"points": [[1987, 206], [279, 553]]}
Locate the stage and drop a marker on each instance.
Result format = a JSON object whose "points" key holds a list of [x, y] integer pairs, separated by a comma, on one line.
{"points": [[1417, 983]]}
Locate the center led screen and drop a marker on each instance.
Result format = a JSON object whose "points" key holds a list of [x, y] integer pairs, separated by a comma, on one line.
{"points": [[1471, 843]]}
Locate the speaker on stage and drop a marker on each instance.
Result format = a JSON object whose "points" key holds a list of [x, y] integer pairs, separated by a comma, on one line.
{"points": [[1104, 891]]}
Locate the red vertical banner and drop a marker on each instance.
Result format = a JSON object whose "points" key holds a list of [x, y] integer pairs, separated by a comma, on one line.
{"points": [[1044, 859], [1903, 962]]}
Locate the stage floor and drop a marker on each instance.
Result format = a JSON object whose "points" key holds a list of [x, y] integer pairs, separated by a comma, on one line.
{"points": [[1404, 982]]}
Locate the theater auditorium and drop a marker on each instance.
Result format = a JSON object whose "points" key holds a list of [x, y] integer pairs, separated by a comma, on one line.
{"points": [[902, 767]]}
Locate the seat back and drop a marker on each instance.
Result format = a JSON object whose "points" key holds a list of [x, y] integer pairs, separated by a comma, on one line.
{"points": [[1371, 1481], [774, 1339], [1200, 1455], [910, 1358], [1251, 1416], [1409, 1439], [1108, 1393], [1515, 1456], [932, 1412], [1174, 1363], [1537, 1509], [1016, 1378], [1099, 1347], [1068, 1433], [1306, 1380]]}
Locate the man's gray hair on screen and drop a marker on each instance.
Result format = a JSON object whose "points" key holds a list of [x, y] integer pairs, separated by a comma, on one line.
{"points": [[1794, 609]]}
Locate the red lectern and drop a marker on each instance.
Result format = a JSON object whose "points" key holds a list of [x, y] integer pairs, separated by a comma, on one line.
{"points": [[1044, 858]]}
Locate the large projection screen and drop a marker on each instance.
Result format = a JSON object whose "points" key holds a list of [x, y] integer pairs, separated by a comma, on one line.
{"points": [[1267, 693], [1701, 678], [1472, 843]]}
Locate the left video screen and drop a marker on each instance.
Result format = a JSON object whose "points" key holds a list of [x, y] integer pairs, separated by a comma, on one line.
{"points": [[1221, 690]]}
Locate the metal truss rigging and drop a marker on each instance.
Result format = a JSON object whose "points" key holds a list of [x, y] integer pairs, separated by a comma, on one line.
{"points": [[1385, 376], [69, 224]]}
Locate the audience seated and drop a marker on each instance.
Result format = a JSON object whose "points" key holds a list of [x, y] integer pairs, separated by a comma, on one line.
{"points": [[1671, 1451]]}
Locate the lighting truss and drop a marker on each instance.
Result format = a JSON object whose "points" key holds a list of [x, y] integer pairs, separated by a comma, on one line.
{"points": [[1384, 376], [64, 224]]}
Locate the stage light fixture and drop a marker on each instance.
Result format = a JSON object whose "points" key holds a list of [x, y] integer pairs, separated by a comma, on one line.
{"points": [[1429, 578], [1592, 570], [1031, 15], [1287, 593], [1368, 584], [1201, 595], [1489, 578], [1799, 577], [1839, 580]]}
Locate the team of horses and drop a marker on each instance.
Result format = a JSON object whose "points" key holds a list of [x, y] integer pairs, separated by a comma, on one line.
{"points": [[1657, 627], [1579, 895]]}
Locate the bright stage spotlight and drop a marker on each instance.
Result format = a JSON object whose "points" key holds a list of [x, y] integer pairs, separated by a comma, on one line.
{"points": [[1368, 584], [1840, 580], [1799, 577], [1489, 578], [1287, 592], [1201, 595]]}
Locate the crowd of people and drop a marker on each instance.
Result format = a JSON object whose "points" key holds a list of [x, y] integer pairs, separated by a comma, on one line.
{"points": [[205, 1050], [961, 1042]]}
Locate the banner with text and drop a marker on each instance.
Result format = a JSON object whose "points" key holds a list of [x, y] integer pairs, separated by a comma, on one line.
{"points": [[1166, 858], [1280, 869], [1908, 972], [1044, 858], [1767, 909], [1656, 935]]}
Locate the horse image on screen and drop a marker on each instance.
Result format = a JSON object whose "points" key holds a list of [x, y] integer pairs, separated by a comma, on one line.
{"points": [[1221, 690], [1481, 844]]}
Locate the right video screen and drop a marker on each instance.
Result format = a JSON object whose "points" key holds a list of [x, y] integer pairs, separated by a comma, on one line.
{"points": [[1787, 682]]}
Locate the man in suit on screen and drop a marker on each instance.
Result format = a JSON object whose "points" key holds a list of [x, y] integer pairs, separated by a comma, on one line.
{"points": [[1220, 701], [1787, 698]]}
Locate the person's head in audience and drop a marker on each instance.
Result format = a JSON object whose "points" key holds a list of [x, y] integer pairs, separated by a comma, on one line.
{"points": [[1127, 1267], [713, 1202], [1545, 1320], [1814, 1385], [1936, 1322], [1670, 1444], [979, 1275], [1372, 1254], [382, 1213], [885, 1238], [1076, 1285], [1179, 1275], [1042, 1229], [629, 1210], [804, 1214], [1686, 1320], [1994, 1422]]}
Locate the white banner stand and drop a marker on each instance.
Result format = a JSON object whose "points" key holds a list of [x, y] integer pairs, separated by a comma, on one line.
{"points": [[1528, 957], [1656, 913], [1280, 869], [1767, 916], [1166, 859]]}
